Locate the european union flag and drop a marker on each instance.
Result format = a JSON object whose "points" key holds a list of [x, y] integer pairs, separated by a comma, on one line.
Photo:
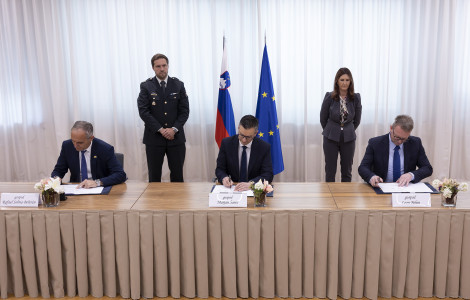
{"points": [[267, 115]]}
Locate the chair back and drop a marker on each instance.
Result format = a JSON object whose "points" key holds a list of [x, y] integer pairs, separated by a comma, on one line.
{"points": [[120, 158]]}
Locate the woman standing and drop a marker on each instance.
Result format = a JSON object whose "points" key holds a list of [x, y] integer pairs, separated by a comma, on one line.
{"points": [[340, 115]]}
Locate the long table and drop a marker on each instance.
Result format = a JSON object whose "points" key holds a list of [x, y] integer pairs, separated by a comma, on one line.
{"points": [[161, 240]]}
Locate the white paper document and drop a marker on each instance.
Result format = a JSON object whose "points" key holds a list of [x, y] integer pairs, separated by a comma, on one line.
{"points": [[222, 189], [392, 187], [71, 189]]}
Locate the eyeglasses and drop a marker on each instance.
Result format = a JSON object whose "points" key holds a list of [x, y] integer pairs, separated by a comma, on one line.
{"points": [[246, 137], [397, 137]]}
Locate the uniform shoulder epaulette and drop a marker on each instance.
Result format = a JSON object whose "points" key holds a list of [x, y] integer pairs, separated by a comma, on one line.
{"points": [[150, 78], [174, 78]]}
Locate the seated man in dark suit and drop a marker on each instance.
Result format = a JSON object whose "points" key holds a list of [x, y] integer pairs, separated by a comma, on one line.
{"points": [[91, 161], [244, 158], [395, 157]]}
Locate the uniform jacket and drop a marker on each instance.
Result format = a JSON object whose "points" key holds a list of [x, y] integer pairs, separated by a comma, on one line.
{"points": [[159, 110]]}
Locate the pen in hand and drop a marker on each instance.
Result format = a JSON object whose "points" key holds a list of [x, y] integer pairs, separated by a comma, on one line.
{"points": [[227, 181]]}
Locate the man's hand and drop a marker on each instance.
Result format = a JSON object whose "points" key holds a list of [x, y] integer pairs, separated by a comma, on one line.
{"points": [[168, 133], [404, 179], [227, 182], [242, 186], [87, 183], [375, 180]]}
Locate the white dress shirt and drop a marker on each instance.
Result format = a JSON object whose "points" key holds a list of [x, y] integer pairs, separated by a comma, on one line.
{"points": [[160, 81]]}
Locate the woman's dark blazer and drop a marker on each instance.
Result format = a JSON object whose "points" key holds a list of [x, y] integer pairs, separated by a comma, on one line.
{"points": [[330, 118]]}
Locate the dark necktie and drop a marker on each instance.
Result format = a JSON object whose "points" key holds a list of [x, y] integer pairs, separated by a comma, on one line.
{"points": [[243, 175], [162, 83], [396, 164], [83, 168]]}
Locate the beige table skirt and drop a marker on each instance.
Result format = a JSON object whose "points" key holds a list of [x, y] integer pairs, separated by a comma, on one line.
{"points": [[300, 253]]}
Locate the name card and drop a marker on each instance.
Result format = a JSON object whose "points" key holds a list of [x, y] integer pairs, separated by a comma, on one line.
{"points": [[19, 200], [411, 200], [227, 200]]}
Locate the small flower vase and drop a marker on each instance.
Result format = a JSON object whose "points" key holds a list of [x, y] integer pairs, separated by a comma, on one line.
{"points": [[260, 200], [50, 199], [449, 202]]}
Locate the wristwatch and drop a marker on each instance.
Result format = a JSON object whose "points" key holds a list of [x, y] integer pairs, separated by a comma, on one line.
{"points": [[98, 182]]}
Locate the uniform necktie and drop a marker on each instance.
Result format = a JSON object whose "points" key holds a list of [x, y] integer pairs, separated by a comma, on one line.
{"points": [[83, 168], [396, 164], [162, 83], [243, 175]]}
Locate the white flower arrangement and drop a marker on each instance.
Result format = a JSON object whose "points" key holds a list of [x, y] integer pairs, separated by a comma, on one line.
{"points": [[449, 187], [49, 186], [261, 187]]}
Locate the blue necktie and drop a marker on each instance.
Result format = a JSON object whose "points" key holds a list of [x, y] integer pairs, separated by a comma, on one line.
{"points": [[83, 169], [396, 164], [243, 176]]}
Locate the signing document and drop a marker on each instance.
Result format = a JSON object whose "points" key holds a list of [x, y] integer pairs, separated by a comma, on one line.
{"points": [[222, 189], [71, 189], [392, 187]]}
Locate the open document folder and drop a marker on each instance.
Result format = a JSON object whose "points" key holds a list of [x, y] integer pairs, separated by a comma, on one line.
{"points": [[222, 189], [392, 187], [71, 189]]}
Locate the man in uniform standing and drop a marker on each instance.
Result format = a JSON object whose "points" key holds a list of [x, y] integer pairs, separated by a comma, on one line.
{"points": [[164, 108]]}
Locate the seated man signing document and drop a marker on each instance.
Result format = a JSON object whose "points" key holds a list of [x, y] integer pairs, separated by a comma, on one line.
{"points": [[396, 156], [244, 158], [91, 161]]}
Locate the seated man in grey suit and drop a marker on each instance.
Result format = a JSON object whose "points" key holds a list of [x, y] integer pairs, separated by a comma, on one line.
{"points": [[91, 161], [396, 156], [244, 158]]}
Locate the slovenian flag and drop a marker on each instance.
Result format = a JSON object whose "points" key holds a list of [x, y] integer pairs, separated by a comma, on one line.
{"points": [[225, 122], [267, 116]]}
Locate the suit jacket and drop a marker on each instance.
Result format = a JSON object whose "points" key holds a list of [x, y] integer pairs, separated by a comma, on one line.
{"points": [[259, 166], [159, 110], [330, 118], [104, 165], [375, 161]]}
